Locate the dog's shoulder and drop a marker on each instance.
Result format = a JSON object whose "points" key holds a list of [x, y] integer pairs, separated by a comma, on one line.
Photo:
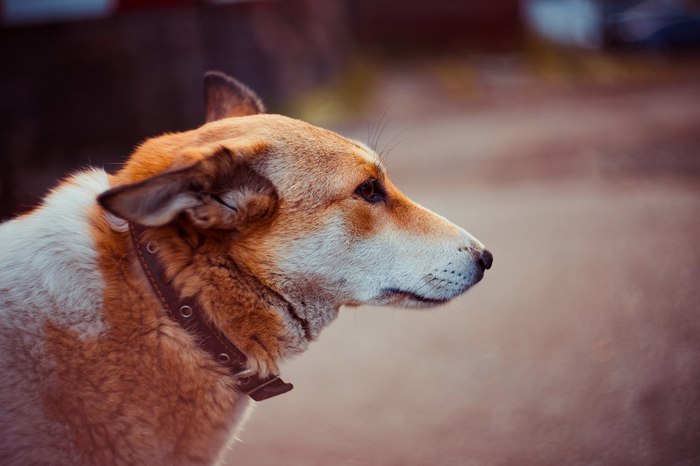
{"points": [[48, 259], [48, 277]]}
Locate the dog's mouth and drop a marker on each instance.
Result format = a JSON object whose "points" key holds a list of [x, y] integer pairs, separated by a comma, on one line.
{"points": [[400, 297]]}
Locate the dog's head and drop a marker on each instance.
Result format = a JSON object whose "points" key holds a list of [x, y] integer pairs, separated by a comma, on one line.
{"points": [[311, 214]]}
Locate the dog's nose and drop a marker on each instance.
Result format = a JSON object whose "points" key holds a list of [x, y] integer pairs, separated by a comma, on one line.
{"points": [[486, 259]]}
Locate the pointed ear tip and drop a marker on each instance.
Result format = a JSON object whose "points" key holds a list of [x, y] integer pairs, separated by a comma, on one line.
{"points": [[219, 78], [213, 78], [214, 75], [226, 96]]}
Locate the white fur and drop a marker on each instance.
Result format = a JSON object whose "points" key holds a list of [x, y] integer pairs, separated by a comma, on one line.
{"points": [[361, 270], [48, 273], [49, 261]]}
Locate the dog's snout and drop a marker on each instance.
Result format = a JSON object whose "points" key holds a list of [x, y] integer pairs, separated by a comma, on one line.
{"points": [[486, 259]]}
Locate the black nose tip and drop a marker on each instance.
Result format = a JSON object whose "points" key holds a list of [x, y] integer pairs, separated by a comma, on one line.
{"points": [[486, 259]]}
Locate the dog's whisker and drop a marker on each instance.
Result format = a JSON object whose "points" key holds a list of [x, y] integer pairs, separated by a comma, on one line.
{"points": [[374, 140], [420, 289], [389, 148], [379, 129]]}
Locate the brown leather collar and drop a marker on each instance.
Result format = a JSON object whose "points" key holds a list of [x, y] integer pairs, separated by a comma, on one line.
{"points": [[210, 339]]}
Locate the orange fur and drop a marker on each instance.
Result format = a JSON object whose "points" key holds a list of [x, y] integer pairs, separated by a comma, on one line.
{"points": [[149, 365]]}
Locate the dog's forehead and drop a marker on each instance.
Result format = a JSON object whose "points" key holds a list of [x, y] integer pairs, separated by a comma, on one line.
{"points": [[311, 164], [299, 146], [308, 142], [298, 157], [328, 155], [289, 137]]}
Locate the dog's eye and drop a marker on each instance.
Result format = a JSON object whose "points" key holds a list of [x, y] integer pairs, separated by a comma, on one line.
{"points": [[371, 191]]}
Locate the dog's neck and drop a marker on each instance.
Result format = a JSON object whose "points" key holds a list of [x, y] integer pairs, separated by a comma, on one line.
{"points": [[188, 313], [265, 324]]}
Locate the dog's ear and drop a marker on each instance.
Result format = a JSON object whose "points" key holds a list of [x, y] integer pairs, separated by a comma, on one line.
{"points": [[226, 97], [221, 191]]}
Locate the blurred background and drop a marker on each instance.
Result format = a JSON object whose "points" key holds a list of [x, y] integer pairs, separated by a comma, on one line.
{"points": [[564, 134]]}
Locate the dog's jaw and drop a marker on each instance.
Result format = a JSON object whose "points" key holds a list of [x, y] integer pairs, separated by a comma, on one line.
{"points": [[303, 309]]}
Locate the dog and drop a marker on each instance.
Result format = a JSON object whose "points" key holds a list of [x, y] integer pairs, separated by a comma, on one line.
{"points": [[142, 311]]}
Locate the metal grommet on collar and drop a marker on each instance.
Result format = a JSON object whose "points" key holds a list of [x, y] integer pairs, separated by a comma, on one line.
{"points": [[185, 311], [244, 376], [224, 358], [245, 373], [152, 247]]}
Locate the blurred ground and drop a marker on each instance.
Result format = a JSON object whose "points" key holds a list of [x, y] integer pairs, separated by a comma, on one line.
{"points": [[581, 345]]}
